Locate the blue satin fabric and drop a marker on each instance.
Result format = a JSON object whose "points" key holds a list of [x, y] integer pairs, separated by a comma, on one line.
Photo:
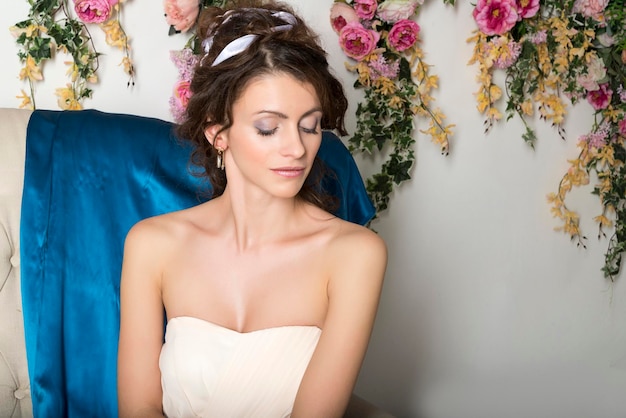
{"points": [[89, 177]]}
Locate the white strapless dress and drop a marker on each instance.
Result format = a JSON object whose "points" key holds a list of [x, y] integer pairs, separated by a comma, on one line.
{"points": [[211, 371]]}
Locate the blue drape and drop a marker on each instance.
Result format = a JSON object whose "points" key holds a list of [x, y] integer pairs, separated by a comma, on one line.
{"points": [[89, 176]]}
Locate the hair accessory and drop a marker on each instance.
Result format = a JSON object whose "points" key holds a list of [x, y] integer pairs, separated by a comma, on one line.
{"points": [[220, 158], [206, 44], [234, 47], [286, 17], [238, 45]]}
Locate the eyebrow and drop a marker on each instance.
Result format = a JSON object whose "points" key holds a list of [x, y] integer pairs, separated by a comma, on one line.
{"points": [[283, 116]]}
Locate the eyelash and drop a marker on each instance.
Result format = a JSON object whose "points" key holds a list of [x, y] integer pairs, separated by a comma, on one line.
{"points": [[312, 131], [267, 133]]}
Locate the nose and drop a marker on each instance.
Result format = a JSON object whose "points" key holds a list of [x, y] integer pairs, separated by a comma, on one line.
{"points": [[291, 144]]}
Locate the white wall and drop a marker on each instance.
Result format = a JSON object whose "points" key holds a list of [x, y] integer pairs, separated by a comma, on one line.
{"points": [[486, 311]]}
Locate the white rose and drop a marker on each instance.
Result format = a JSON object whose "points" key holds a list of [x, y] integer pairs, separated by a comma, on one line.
{"points": [[393, 10], [606, 40], [596, 71]]}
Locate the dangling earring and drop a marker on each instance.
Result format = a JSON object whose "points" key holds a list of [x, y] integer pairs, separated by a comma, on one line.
{"points": [[220, 158]]}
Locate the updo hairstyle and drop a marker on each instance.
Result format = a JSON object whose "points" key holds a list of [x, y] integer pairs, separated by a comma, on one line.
{"points": [[215, 88]]}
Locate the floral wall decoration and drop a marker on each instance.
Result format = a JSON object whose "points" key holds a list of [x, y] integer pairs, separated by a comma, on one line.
{"points": [[182, 16], [382, 40], [555, 52], [60, 28]]}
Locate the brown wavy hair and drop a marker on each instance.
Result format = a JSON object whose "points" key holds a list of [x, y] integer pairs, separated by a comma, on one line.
{"points": [[295, 52]]}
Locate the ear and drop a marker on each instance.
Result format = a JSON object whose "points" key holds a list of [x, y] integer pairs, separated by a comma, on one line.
{"points": [[216, 136]]}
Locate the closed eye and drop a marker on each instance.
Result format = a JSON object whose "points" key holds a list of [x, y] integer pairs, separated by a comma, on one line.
{"points": [[312, 131], [264, 132]]}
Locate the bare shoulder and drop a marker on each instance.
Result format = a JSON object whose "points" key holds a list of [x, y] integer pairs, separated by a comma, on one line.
{"points": [[163, 227], [357, 245], [157, 236], [351, 237], [151, 230]]}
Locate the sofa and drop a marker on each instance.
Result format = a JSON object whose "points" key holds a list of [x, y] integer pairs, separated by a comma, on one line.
{"points": [[71, 185], [14, 384]]}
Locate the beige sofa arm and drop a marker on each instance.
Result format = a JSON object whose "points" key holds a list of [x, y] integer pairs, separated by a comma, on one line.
{"points": [[15, 398]]}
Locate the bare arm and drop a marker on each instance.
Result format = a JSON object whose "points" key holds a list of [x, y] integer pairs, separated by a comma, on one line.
{"points": [[141, 325], [357, 269]]}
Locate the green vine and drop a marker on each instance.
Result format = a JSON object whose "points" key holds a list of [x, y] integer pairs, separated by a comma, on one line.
{"points": [[554, 52], [397, 84], [52, 28]]}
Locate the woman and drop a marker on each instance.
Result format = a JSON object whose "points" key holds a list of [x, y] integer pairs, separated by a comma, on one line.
{"points": [[269, 299]]}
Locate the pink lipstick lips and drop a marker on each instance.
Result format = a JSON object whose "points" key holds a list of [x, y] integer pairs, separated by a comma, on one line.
{"points": [[289, 172]]}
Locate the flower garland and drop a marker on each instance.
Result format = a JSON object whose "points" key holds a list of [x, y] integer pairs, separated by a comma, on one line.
{"points": [[52, 27], [384, 41], [182, 16], [552, 52]]}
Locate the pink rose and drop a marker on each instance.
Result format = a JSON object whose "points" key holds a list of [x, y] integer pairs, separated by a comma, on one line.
{"points": [[495, 17], [393, 10], [356, 41], [181, 14], [340, 15], [365, 9], [182, 92], [403, 34], [527, 8], [180, 100], [590, 8], [600, 99], [94, 11]]}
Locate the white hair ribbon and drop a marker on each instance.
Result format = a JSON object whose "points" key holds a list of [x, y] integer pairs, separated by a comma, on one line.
{"points": [[285, 17], [234, 47], [238, 45], [207, 44]]}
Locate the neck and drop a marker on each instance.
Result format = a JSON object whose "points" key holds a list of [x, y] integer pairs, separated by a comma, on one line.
{"points": [[253, 222]]}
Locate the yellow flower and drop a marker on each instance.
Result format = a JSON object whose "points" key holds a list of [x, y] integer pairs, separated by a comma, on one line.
{"points": [[606, 157], [571, 218], [67, 98], [114, 35], [395, 102], [604, 185], [363, 71], [385, 86], [482, 100], [30, 30], [26, 101], [494, 114], [552, 108], [543, 56], [495, 93], [614, 115], [31, 70], [16, 32], [432, 82], [527, 107], [484, 78], [128, 66], [72, 72], [603, 221]]}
